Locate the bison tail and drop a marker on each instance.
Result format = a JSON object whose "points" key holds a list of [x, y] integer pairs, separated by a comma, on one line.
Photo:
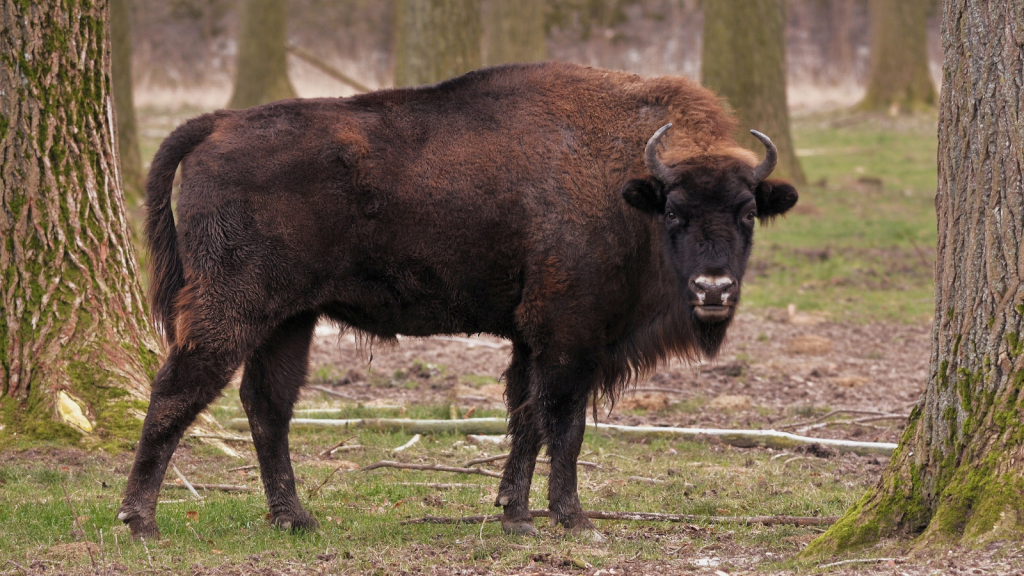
{"points": [[167, 275]]}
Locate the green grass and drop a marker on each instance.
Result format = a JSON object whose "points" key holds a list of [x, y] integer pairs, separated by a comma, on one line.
{"points": [[859, 246], [361, 513]]}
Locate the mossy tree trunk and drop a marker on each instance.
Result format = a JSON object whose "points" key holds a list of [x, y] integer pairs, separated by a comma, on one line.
{"points": [[958, 475], [132, 175], [898, 77], [436, 39], [744, 60], [76, 348], [514, 31], [262, 65]]}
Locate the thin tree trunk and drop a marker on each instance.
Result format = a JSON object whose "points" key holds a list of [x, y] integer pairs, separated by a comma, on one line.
{"points": [[436, 39], [132, 175], [744, 60], [958, 474], [514, 31], [76, 348], [898, 77], [262, 74]]}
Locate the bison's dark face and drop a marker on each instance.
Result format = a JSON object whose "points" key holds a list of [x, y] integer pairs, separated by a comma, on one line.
{"points": [[708, 207]]}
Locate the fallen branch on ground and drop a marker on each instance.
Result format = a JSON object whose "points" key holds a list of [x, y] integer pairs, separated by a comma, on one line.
{"points": [[327, 390], [583, 463], [433, 467], [646, 517], [739, 438], [185, 481], [221, 487], [221, 437], [335, 448], [831, 414], [412, 442], [860, 561], [442, 485], [246, 467]]}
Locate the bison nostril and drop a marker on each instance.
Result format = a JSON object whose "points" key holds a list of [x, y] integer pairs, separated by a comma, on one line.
{"points": [[717, 283]]}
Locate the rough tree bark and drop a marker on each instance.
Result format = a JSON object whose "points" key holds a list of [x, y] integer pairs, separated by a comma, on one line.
{"points": [[76, 348], [132, 175], [514, 31], [744, 60], [898, 77], [436, 39], [957, 476], [262, 69]]}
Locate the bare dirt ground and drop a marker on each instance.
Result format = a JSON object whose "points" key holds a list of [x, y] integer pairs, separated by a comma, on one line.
{"points": [[778, 367]]}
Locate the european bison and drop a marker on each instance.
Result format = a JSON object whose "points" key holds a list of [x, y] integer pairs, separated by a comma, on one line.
{"points": [[526, 201]]}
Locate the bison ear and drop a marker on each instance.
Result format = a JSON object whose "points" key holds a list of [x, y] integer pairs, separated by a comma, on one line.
{"points": [[774, 197], [646, 194]]}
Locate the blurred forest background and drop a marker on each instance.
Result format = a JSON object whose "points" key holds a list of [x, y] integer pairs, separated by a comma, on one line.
{"points": [[184, 51]]}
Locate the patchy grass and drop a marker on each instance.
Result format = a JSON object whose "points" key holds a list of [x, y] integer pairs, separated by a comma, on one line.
{"points": [[361, 513], [860, 244]]}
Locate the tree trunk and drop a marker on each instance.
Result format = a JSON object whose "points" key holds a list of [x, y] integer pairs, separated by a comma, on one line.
{"points": [[515, 31], [132, 175], [957, 476], [744, 60], [76, 348], [435, 40], [898, 77], [262, 74]]}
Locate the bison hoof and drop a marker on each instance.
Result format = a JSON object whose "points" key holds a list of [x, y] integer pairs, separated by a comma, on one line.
{"points": [[141, 528], [301, 522], [519, 528]]}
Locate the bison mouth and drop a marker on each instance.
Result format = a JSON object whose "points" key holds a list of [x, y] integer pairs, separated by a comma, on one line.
{"points": [[712, 314]]}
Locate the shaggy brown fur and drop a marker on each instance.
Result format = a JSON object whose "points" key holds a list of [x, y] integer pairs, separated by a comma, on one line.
{"points": [[492, 202]]}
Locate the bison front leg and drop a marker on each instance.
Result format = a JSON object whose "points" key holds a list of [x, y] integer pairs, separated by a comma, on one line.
{"points": [[563, 399], [273, 375], [514, 492]]}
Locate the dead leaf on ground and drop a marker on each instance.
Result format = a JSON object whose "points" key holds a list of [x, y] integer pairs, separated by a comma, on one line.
{"points": [[811, 345]]}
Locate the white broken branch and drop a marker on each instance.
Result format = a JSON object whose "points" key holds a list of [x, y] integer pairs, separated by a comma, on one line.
{"points": [[739, 438]]}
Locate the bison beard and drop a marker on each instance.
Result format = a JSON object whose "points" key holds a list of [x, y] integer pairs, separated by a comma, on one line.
{"points": [[525, 201]]}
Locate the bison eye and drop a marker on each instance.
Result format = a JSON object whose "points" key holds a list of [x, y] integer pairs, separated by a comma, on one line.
{"points": [[752, 215], [671, 216]]}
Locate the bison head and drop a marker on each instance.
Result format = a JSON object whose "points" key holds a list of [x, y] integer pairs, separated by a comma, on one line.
{"points": [[708, 205]]}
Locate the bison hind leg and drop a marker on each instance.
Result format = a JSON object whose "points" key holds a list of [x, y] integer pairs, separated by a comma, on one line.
{"points": [[525, 433], [273, 375]]}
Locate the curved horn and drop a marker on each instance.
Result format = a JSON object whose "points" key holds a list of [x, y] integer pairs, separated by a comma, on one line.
{"points": [[654, 166], [771, 157]]}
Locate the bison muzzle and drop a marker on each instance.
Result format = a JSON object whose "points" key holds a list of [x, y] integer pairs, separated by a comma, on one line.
{"points": [[526, 201]]}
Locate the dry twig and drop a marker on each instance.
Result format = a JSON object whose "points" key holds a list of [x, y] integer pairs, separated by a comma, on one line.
{"points": [[326, 390], [646, 517], [221, 487], [246, 467], [74, 519], [860, 561], [186, 482], [583, 463], [434, 467], [441, 485], [834, 413], [412, 442], [334, 448]]}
